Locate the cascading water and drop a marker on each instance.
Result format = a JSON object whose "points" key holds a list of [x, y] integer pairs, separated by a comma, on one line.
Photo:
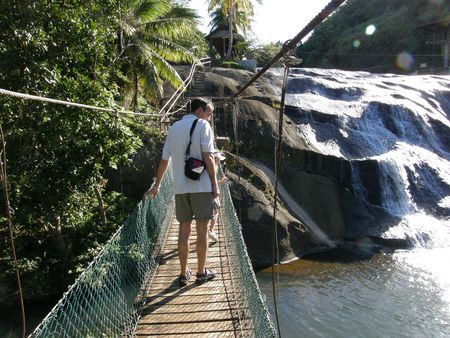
{"points": [[392, 135], [400, 122]]}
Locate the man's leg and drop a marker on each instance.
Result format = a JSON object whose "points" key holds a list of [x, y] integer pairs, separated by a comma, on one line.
{"points": [[183, 245], [202, 244], [213, 222], [202, 206]]}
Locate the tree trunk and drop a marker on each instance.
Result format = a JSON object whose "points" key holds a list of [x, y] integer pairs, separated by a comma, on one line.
{"points": [[136, 92], [101, 204], [230, 30]]}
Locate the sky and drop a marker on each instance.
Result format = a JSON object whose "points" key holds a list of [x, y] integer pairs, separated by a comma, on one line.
{"points": [[275, 20]]}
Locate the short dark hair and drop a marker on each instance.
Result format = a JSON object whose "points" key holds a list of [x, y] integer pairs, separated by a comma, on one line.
{"points": [[198, 102]]}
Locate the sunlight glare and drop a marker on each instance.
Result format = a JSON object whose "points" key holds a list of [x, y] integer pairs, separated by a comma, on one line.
{"points": [[405, 61], [370, 29]]}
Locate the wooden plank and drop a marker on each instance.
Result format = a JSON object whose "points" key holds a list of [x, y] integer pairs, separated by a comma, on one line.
{"points": [[187, 299], [211, 328], [171, 275], [215, 284], [212, 253], [216, 334], [167, 280], [178, 328], [183, 292], [189, 317], [215, 260], [191, 307], [207, 310]]}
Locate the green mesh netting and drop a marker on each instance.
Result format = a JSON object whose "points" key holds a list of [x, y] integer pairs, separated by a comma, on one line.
{"points": [[105, 299], [246, 287]]}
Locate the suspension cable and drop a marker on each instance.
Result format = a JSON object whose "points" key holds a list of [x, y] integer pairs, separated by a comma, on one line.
{"points": [[182, 88], [278, 157], [68, 103], [291, 44], [4, 179]]}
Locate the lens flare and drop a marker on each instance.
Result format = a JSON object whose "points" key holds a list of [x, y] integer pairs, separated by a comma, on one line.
{"points": [[405, 61], [370, 29], [356, 43]]}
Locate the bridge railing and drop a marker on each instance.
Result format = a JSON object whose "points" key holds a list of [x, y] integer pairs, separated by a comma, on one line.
{"points": [[106, 298], [253, 314], [104, 301]]}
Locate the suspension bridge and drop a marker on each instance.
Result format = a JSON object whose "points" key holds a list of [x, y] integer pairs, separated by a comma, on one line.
{"points": [[131, 289]]}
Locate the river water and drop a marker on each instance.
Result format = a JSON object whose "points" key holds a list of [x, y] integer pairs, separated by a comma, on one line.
{"points": [[402, 294], [402, 123]]}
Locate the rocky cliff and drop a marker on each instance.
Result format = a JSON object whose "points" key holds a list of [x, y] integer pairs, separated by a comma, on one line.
{"points": [[332, 194]]}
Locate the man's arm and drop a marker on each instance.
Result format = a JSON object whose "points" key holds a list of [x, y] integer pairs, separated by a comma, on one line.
{"points": [[211, 169], [162, 167]]}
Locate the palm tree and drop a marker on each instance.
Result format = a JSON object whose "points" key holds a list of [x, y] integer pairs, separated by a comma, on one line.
{"points": [[149, 35], [230, 10], [220, 21]]}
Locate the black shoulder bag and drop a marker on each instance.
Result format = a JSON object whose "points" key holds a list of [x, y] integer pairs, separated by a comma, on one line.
{"points": [[193, 167]]}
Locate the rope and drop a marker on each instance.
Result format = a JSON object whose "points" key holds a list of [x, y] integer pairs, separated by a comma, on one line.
{"points": [[291, 44], [106, 298], [278, 158], [364, 54], [182, 88], [4, 179], [227, 252], [68, 103]]}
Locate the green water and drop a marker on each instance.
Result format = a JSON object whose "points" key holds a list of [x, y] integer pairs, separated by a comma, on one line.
{"points": [[404, 294]]}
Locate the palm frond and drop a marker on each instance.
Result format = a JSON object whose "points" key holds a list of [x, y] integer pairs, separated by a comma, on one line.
{"points": [[152, 30], [170, 50], [128, 29], [149, 10], [150, 82], [171, 29], [163, 68], [214, 4]]}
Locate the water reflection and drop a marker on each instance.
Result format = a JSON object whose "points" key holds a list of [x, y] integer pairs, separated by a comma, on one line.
{"points": [[405, 294]]}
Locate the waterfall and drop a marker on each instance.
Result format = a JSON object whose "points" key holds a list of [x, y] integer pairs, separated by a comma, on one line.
{"points": [[400, 123]]}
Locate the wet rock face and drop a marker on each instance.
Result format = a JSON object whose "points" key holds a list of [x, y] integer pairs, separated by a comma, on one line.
{"points": [[255, 211], [339, 132], [343, 135]]}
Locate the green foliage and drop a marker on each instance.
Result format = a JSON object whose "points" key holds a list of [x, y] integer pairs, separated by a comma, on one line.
{"points": [[231, 64], [263, 54], [66, 50], [231, 15], [196, 43], [150, 35], [341, 40]]}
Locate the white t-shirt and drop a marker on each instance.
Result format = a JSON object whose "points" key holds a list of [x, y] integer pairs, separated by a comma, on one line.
{"points": [[175, 148]]}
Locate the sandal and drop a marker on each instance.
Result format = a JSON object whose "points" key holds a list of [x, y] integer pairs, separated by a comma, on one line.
{"points": [[184, 279], [204, 277]]}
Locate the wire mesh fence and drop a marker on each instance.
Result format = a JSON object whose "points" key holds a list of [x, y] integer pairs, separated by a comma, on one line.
{"points": [[255, 318], [105, 301]]}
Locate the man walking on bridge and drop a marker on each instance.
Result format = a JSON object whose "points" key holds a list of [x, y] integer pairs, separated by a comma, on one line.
{"points": [[193, 198]]}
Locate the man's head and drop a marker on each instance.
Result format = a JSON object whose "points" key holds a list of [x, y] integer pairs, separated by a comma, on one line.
{"points": [[202, 108]]}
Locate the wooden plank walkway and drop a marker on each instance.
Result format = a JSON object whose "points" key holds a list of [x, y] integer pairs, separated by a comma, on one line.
{"points": [[213, 309]]}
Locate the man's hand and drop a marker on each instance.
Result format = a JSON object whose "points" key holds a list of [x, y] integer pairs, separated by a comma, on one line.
{"points": [[153, 192], [222, 180], [216, 192]]}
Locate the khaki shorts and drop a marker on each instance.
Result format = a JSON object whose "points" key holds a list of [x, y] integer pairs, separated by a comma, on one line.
{"points": [[199, 205]]}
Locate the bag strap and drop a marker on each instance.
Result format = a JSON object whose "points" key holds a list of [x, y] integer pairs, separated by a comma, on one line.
{"points": [[188, 149]]}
